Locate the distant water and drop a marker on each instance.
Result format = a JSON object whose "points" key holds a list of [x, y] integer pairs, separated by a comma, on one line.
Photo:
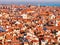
{"points": [[47, 4], [50, 4], [42, 4], [34, 3]]}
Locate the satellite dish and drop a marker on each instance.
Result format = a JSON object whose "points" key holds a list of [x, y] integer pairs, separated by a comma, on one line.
{"points": [[2, 30]]}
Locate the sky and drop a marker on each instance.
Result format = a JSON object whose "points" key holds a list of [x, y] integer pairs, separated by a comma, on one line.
{"points": [[49, 0], [30, 0]]}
